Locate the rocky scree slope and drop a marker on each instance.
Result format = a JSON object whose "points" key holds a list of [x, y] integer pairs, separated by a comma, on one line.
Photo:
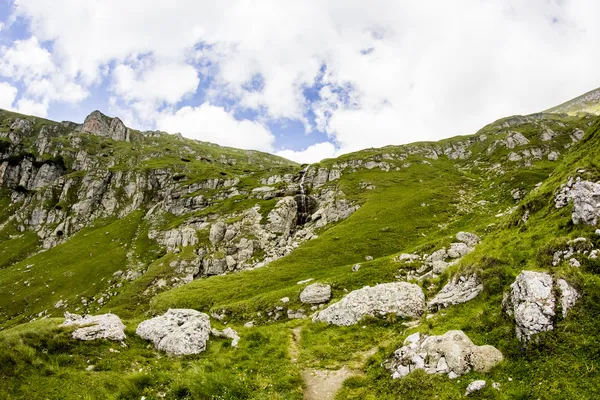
{"points": [[457, 221]]}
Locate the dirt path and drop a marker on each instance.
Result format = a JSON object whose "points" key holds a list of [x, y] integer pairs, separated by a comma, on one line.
{"points": [[319, 384]]}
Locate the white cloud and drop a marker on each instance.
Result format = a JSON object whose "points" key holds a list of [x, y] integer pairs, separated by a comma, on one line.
{"points": [[165, 82], [8, 93], [214, 124], [389, 72], [26, 60], [313, 153], [32, 107]]}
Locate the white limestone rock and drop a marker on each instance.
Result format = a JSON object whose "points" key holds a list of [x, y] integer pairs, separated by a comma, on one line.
{"points": [[475, 386], [317, 293], [452, 353], [178, 332], [532, 302], [459, 290], [404, 299], [104, 326]]}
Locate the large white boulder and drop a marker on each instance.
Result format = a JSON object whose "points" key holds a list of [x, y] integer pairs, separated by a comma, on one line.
{"points": [[585, 196], [452, 353], [104, 326], [402, 298], [532, 302], [177, 332]]}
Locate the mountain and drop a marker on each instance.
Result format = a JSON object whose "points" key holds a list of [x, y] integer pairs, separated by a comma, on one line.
{"points": [[147, 265], [586, 103]]}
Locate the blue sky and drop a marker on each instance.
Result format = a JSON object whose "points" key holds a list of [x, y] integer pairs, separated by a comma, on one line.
{"points": [[305, 80]]}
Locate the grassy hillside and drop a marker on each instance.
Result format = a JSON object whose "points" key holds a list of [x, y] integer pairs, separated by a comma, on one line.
{"points": [[417, 205]]}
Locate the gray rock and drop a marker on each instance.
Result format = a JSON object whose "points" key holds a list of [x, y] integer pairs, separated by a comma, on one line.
{"points": [[459, 290], [475, 386], [402, 298], [468, 238], [516, 139], [316, 293], [458, 250], [585, 196], [553, 156], [177, 332], [452, 353], [355, 267], [283, 217], [105, 326], [532, 302], [217, 232], [227, 333]]}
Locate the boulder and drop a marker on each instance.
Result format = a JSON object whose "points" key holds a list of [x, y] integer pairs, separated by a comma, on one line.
{"points": [[468, 238], [475, 386], [452, 353], [283, 216], [317, 293], [177, 332], [105, 326], [459, 290], [458, 250], [217, 232], [402, 298], [532, 302], [585, 196]]}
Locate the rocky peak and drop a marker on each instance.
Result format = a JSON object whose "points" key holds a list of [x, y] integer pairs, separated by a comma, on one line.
{"points": [[101, 125]]}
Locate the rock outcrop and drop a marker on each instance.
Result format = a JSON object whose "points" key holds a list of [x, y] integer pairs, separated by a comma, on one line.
{"points": [[228, 333], [105, 326], [178, 332], [585, 196], [317, 293], [452, 353], [532, 302], [99, 124], [459, 290], [402, 298]]}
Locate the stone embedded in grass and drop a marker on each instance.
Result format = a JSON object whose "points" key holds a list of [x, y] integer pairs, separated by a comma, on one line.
{"points": [[475, 386], [178, 332], [452, 353], [459, 290], [317, 293], [105, 326], [401, 298], [227, 333], [468, 238], [532, 302]]}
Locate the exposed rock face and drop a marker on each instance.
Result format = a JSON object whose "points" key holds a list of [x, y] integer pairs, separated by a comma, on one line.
{"points": [[317, 293], [402, 298], [283, 217], [105, 326], [177, 332], [516, 139], [532, 302], [99, 124], [585, 196], [459, 290], [452, 353]]}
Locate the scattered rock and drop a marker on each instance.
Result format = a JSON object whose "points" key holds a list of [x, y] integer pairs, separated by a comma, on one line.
{"points": [[105, 326], [452, 353], [475, 386], [459, 290], [470, 239], [285, 299], [316, 293], [369, 258], [355, 267], [177, 332], [227, 333], [402, 298], [532, 302]]}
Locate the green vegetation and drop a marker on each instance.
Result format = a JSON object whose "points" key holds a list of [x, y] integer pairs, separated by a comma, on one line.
{"points": [[415, 207]]}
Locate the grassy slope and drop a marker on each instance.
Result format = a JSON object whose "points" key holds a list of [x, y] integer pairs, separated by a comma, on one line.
{"points": [[391, 220]]}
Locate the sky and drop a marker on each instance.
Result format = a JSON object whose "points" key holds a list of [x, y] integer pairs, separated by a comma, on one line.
{"points": [[307, 79]]}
